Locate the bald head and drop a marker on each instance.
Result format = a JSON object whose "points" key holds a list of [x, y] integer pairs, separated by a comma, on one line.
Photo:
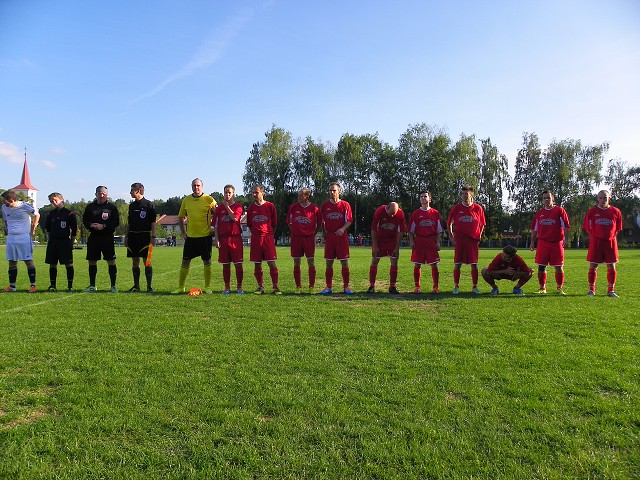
{"points": [[392, 208]]}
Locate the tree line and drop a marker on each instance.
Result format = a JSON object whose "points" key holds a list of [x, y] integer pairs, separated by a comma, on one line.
{"points": [[373, 172]]}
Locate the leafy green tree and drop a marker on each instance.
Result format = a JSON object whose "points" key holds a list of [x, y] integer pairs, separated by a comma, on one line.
{"points": [[588, 177], [123, 211], [440, 176], [412, 164], [559, 167], [314, 167], [386, 172], [271, 164], [169, 207], [624, 184], [355, 157], [493, 180], [528, 180], [465, 162]]}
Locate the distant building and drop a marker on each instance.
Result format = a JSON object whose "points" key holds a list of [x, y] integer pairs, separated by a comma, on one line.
{"points": [[169, 223], [25, 187]]}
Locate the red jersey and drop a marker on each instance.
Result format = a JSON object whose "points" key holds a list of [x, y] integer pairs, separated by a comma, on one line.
{"points": [[517, 263], [425, 223], [468, 221], [603, 222], [262, 219], [335, 215], [223, 222], [388, 227], [304, 221], [549, 224]]}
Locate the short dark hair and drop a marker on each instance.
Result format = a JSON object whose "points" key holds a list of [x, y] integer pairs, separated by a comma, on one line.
{"points": [[9, 195], [510, 250], [55, 195]]}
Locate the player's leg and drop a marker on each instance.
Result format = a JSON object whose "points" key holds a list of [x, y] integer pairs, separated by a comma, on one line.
{"points": [[273, 273], [456, 277], [373, 273], [346, 274], [297, 273], [393, 274], [417, 277], [611, 280], [559, 275], [13, 275], [542, 278], [328, 276], [312, 272], [113, 273], [31, 272], [592, 276], [135, 271]]}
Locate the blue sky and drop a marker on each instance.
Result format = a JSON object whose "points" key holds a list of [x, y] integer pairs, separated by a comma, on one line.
{"points": [[109, 93]]}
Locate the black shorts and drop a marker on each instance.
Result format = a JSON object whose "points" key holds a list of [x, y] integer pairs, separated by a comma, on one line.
{"points": [[197, 247], [138, 244], [100, 244], [59, 250]]}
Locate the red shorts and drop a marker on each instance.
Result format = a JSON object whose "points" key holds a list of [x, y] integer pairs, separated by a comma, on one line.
{"points": [[336, 247], [303, 246], [231, 250], [426, 250], [466, 251], [549, 253], [263, 248], [602, 250], [386, 248]]}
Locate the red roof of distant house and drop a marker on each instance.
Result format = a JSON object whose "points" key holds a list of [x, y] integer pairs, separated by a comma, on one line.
{"points": [[168, 220], [25, 182]]}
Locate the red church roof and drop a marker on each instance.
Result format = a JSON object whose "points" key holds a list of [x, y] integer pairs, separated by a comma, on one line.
{"points": [[25, 182]]}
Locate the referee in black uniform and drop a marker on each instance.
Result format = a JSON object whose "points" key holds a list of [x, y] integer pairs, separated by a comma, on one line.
{"points": [[140, 233], [61, 226]]}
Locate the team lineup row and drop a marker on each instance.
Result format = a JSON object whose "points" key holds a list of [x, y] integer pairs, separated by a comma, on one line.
{"points": [[203, 223]]}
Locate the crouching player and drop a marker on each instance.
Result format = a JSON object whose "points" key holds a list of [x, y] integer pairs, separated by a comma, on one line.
{"points": [[507, 266]]}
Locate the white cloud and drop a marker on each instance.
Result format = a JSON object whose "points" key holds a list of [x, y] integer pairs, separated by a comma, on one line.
{"points": [[58, 150], [210, 52], [50, 165], [10, 152]]}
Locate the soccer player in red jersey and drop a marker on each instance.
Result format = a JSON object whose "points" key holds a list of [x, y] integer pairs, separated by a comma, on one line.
{"points": [[549, 230], [304, 222], [262, 220], [466, 223], [603, 223], [336, 219], [507, 266], [425, 229], [386, 232], [228, 238]]}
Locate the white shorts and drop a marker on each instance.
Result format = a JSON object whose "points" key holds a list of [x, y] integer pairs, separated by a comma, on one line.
{"points": [[19, 247]]}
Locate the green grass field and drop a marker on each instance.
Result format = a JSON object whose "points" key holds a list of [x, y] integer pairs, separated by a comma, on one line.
{"points": [[368, 386]]}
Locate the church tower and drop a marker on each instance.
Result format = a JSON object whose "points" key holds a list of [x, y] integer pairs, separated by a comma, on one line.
{"points": [[25, 186]]}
